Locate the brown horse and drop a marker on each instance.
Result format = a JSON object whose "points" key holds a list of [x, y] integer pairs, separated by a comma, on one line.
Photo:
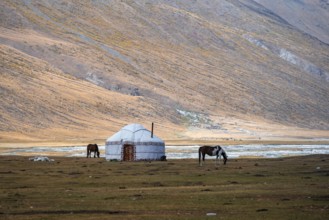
{"points": [[212, 151], [92, 148]]}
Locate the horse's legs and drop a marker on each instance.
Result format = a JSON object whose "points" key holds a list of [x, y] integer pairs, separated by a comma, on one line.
{"points": [[87, 153], [203, 156]]}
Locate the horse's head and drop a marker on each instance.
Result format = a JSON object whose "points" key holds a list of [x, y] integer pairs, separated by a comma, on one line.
{"points": [[224, 156]]}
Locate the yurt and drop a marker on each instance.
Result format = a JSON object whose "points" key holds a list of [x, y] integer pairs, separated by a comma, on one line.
{"points": [[134, 142]]}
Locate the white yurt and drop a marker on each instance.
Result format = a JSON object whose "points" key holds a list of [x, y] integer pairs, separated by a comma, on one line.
{"points": [[134, 142]]}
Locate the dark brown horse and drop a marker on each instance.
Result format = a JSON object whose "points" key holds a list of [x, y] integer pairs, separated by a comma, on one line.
{"points": [[212, 151], [92, 148]]}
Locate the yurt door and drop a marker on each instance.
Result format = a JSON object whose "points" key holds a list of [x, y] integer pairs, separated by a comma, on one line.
{"points": [[128, 152]]}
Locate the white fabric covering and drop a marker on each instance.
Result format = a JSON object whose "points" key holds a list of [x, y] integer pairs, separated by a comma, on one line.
{"points": [[144, 146]]}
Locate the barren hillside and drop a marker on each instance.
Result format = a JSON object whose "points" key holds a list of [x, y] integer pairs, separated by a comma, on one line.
{"points": [[309, 16], [200, 69]]}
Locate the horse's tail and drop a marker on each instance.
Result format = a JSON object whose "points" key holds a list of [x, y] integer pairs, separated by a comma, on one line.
{"points": [[224, 156], [97, 150]]}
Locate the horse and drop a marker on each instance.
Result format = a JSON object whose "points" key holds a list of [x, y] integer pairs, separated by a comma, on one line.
{"points": [[212, 151], [92, 148]]}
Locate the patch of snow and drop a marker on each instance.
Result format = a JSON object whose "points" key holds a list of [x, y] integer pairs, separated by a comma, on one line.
{"points": [[41, 158], [92, 77], [187, 114], [199, 120], [211, 214], [290, 57], [257, 42], [303, 64]]}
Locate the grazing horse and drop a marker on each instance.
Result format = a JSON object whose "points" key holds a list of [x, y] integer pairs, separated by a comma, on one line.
{"points": [[92, 148], [212, 151]]}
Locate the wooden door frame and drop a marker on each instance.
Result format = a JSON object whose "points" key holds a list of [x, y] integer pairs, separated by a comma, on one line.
{"points": [[129, 149]]}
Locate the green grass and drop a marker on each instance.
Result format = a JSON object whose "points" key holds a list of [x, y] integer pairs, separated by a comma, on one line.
{"points": [[81, 188]]}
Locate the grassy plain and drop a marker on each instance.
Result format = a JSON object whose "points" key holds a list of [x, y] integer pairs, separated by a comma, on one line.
{"points": [[81, 188]]}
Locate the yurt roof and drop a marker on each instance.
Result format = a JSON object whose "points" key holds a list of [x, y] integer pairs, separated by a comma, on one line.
{"points": [[133, 133]]}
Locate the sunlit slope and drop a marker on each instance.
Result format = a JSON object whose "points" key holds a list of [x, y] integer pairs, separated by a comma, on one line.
{"points": [[44, 103]]}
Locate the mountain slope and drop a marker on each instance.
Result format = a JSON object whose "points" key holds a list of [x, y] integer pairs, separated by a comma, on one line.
{"points": [[45, 103], [197, 65], [309, 16]]}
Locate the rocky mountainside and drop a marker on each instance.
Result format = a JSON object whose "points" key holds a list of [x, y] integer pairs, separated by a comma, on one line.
{"points": [[199, 69]]}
